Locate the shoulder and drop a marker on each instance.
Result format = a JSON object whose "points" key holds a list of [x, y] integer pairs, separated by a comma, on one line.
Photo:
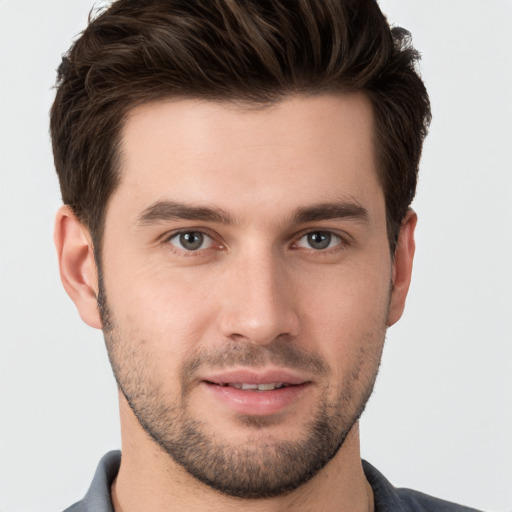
{"points": [[419, 502], [97, 498], [390, 499]]}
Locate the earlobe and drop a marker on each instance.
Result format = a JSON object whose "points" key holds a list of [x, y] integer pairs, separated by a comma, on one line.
{"points": [[402, 267], [77, 265]]}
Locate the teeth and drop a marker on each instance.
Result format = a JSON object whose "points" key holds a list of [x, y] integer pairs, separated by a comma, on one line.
{"points": [[257, 387], [269, 387]]}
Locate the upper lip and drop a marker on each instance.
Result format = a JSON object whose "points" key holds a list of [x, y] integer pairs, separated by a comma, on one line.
{"points": [[254, 376]]}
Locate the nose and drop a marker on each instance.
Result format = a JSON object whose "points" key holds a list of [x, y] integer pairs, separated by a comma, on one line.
{"points": [[258, 300]]}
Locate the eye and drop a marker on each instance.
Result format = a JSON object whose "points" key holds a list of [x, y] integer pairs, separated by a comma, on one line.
{"points": [[191, 240], [319, 240]]}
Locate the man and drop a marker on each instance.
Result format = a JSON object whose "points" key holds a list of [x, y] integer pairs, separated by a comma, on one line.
{"points": [[237, 179]]}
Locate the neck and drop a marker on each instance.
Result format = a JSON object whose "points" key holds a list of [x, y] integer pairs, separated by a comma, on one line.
{"points": [[149, 479]]}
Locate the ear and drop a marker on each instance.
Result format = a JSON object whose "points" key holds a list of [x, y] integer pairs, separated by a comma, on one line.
{"points": [[77, 265], [402, 267]]}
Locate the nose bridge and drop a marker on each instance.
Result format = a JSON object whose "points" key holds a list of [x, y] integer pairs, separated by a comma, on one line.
{"points": [[258, 303]]}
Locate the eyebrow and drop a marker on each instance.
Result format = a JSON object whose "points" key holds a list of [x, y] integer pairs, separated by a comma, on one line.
{"points": [[163, 211], [326, 211]]}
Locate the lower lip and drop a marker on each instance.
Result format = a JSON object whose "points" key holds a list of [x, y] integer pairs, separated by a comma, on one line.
{"points": [[258, 403]]}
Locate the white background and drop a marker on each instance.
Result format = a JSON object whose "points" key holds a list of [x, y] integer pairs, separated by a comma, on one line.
{"points": [[441, 417]]}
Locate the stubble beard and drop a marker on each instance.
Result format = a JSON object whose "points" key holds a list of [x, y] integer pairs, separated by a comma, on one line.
{"points": [[255, 470]]}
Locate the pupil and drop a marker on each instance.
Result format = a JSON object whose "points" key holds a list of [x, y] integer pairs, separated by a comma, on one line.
{"points": [[319, 240], [192, 240]]}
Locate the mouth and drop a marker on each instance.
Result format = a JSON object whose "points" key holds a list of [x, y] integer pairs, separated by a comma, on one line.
{"points": [[246, 379], [258, 393], [246, 386]]}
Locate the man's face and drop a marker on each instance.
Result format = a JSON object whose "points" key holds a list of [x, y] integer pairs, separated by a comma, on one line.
{"points": [[246, 283]]}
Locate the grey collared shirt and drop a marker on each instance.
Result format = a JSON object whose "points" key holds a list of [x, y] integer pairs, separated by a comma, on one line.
{"points": [[387, 498]]}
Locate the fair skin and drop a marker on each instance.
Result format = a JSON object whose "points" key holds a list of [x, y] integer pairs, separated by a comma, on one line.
{"points": [[243, 246]]}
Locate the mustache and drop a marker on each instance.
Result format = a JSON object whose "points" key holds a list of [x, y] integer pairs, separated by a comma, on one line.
{"points": [[251, 355]]}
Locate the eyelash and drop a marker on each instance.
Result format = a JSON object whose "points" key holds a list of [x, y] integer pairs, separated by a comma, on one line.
{"points": [[341, 244], [189, 253]]}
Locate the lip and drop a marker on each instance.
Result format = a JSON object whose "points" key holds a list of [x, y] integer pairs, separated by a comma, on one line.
{"points": [[253, 402], [250, 376]]}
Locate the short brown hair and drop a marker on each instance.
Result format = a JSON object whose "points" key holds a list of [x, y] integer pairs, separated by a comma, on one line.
{"points": [[253, 51]]}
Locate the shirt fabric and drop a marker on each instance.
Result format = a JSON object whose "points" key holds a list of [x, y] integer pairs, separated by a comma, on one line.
{"points": [[386, 497]]}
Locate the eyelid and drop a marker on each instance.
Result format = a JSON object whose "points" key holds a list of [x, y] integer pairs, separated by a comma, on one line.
{"points": [[166, 240], [165, 237], [205, 240], [344, 239]]}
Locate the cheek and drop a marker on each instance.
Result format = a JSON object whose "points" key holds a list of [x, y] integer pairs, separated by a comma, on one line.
{"points": [[169, 311], [346, 313]]}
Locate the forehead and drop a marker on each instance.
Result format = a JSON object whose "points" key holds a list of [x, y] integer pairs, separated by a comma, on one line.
{"points": [[298, 150]]}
